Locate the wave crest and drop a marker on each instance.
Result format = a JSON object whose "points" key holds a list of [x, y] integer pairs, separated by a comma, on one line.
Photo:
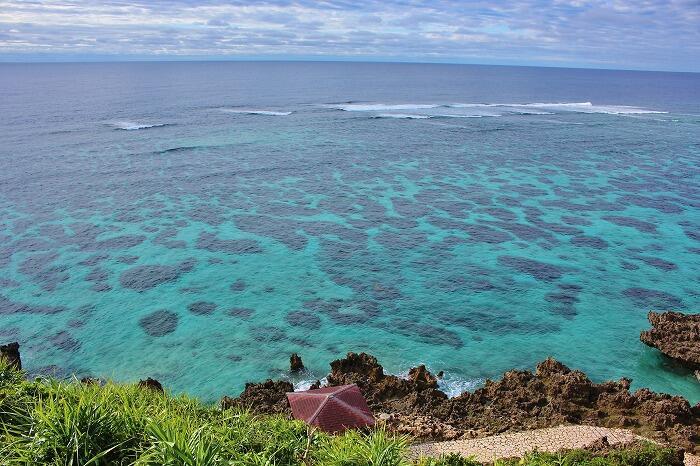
{"points": [[402, 116], [133, 126], [533, 108], [254, 112], [382, 107]]}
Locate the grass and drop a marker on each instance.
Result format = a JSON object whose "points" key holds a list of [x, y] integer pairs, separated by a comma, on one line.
{"points": [[51, 422]]}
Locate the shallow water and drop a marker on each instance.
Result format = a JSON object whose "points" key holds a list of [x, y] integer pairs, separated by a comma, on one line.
{"points": [[198, 222]]}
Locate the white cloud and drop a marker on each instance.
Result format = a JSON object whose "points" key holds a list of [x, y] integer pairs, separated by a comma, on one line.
{"points": [[650, 33]]}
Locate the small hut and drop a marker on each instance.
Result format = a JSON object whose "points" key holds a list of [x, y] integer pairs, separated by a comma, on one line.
{"points": [[332, 409]]}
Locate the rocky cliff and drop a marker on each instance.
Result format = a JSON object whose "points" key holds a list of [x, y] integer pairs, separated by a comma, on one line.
{"points": [[552, 395], [676, 335]]}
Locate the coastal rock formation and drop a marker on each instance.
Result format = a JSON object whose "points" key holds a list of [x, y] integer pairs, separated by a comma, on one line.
{"points": [[387, 393], [269, 397], [151, 384], [555, 395], [295, 363], [10, 354], [676, 335], [520, 400]]}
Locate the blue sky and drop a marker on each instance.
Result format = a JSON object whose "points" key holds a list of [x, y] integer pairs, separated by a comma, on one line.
{"points": [[643, 34]]}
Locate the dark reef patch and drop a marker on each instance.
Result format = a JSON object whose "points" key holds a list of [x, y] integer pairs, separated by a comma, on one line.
{"points": [[629, 266], [304, 319], [64, 341], [241, 312], [657, 262], [267, 333], [165, 238], [210, 242], [501, 213], [425, 332], [145, 277], [274, 228], [573, 220], [159, 323], [384, 292], [525, 232], [592, 242], [93, 260], [238, 285], [127, 259], [8, 283], [8, 306], [639, 225], [653, 299], [101, 287], [209, 214], [116, 243], [202, 308], [539, 270], [401, 240], [495, 321], [97, 274], [663, 204], [692, 234]]}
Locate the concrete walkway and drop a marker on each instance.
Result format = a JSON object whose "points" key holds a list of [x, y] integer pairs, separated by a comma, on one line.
{"points": [[518, 444]]}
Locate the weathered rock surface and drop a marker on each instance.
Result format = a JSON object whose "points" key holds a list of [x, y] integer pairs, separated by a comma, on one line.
{"points": [[295, 363], [10, 354], [269, 397], [676, 335], [151, 384], [520, 400]]}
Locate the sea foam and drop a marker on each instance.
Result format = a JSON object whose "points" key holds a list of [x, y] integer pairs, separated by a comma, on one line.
{"points": [[133, 126], [254, 112], [382, 107], [402, 116], [534, 108], [550, 108]]}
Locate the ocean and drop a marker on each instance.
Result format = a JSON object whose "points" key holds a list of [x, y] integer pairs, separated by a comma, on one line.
{"points": [[198, 222]]}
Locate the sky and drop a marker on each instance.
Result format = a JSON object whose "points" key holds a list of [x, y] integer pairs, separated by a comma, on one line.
{"points": [[619, 34]]}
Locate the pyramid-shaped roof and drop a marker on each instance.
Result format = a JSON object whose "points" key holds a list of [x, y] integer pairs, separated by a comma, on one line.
{"points": [[332, 409]]}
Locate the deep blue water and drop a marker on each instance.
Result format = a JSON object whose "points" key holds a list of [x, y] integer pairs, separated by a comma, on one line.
{"points": [[198, 222]]}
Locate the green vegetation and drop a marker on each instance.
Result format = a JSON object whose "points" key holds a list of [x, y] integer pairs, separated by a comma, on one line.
{"points": [[642, 455], [49, 422]]}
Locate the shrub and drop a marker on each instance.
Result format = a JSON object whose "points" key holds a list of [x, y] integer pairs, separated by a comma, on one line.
{"points": [[452, 459]]}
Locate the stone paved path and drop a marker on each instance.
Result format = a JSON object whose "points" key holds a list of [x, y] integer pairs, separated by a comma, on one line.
{"points": [[517, 444]]}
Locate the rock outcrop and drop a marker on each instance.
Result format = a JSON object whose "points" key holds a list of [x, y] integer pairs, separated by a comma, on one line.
{"points": [[556, 395], [676, 335], [151, 384], [295, 363], [269, 397], [387, 393], [520, 400], [10, 354]]}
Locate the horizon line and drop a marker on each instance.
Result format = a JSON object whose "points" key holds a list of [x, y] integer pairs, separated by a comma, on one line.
{"points": [[189, 59]]}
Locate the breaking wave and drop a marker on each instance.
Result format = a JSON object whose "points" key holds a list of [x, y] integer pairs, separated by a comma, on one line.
{"points": [[402, 116], [535, 108], [454, 386], [254, 112], [133, 126], [451, 385], [382, 107], [575, 107]]}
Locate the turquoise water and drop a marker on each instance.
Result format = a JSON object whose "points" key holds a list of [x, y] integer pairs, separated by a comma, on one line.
{"points": [[198, 222]]}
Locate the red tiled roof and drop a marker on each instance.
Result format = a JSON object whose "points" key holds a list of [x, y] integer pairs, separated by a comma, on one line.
{"points": [[332, 409]]}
